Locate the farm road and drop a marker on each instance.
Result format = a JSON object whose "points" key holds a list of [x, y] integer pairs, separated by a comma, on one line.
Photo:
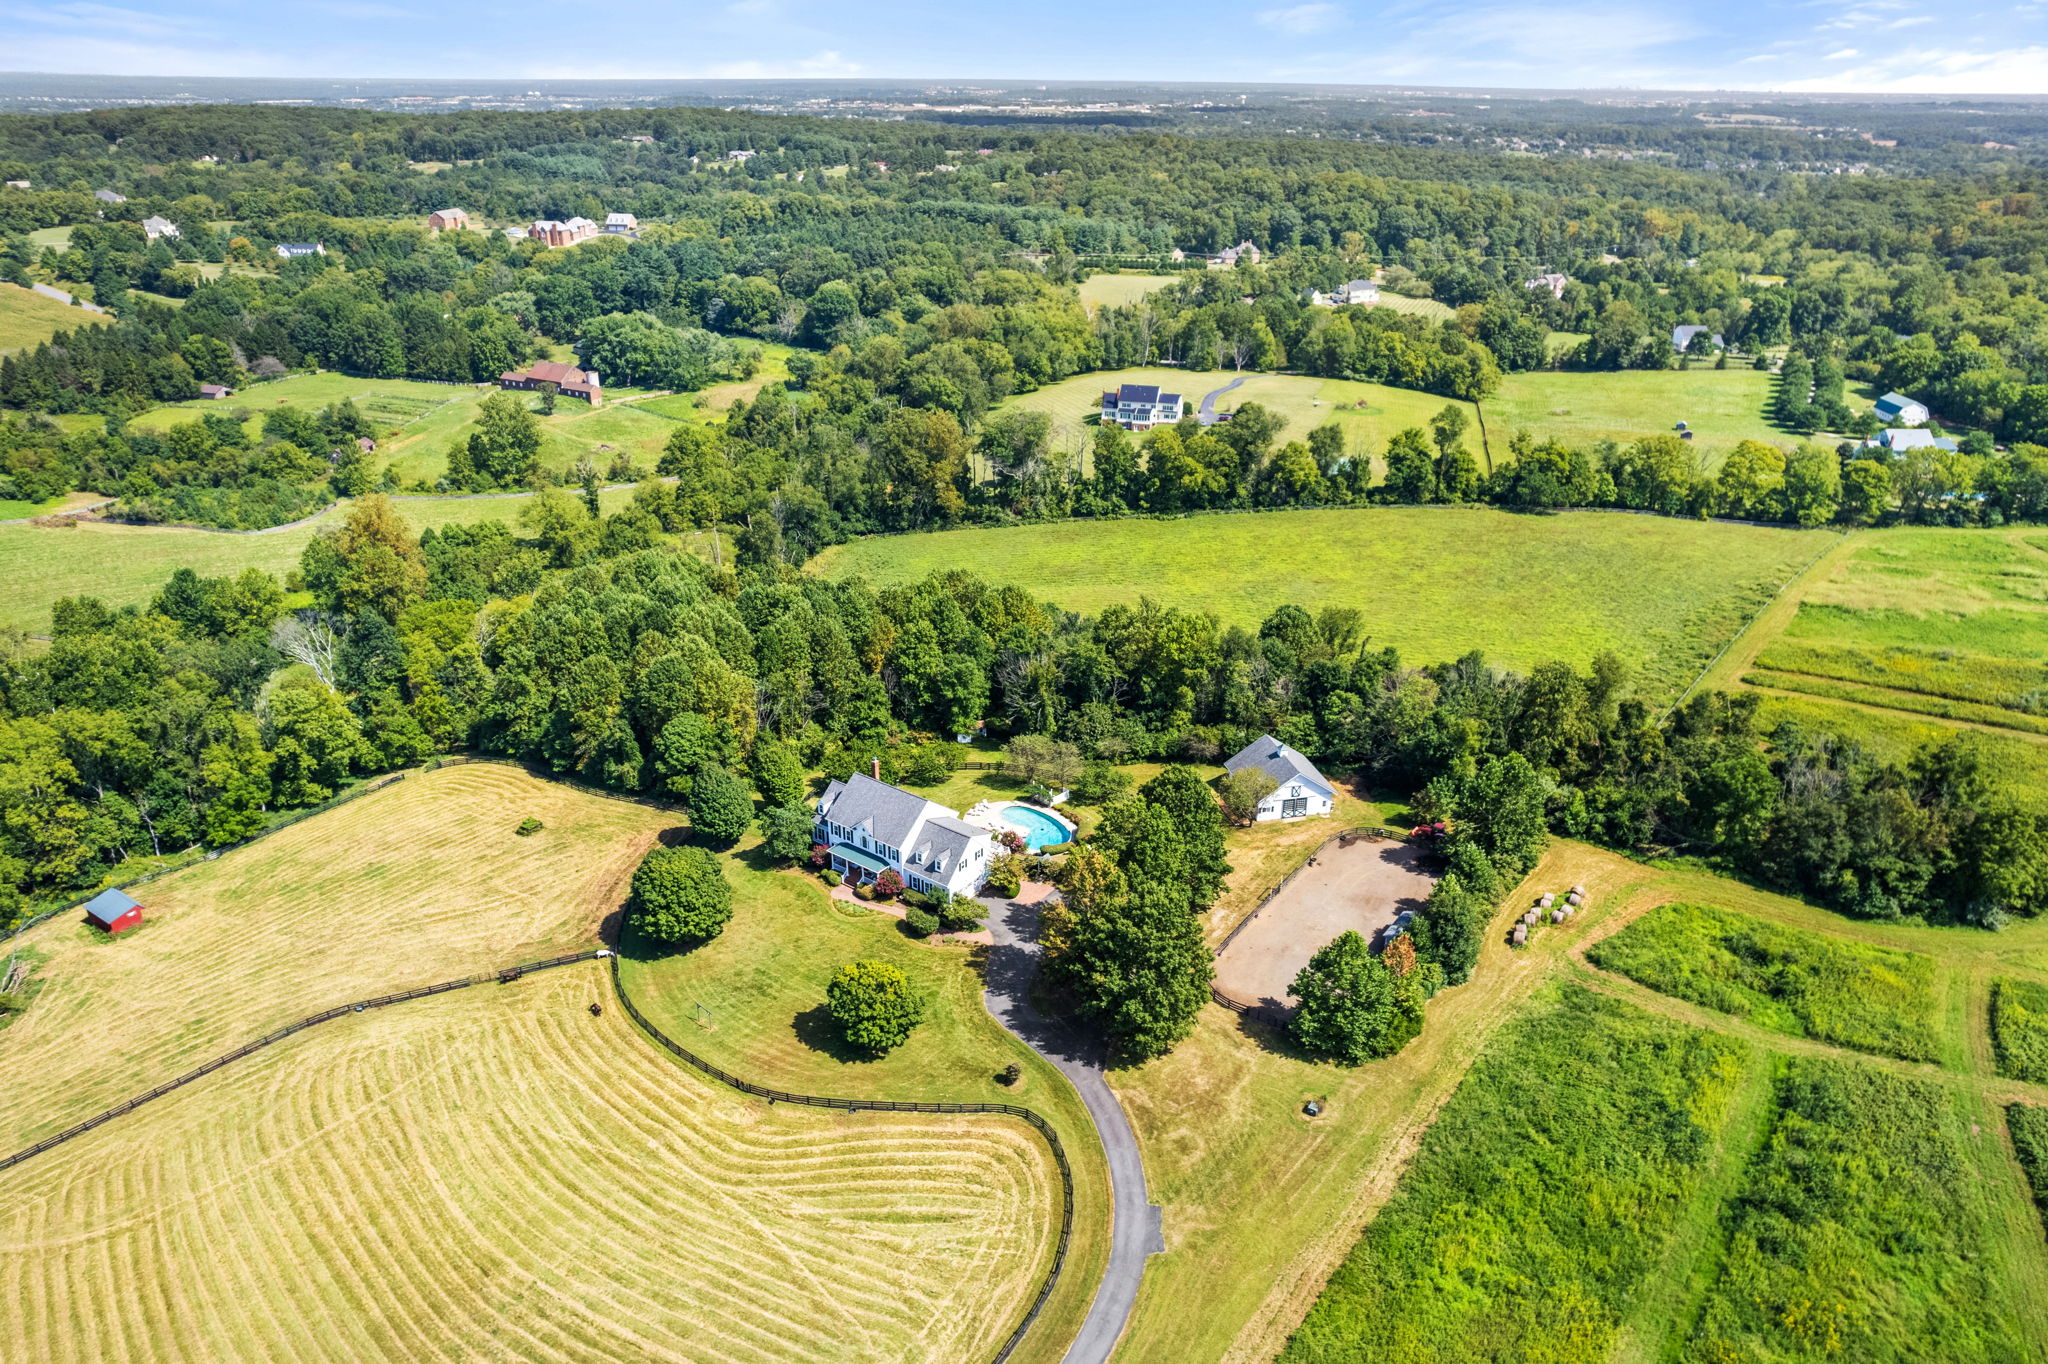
{"points": [[1134, 1230]]}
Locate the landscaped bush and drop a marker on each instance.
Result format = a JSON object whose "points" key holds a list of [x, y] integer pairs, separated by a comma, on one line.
{"points": [[1803, 984], [1005, 876], [873, 1005], [1859, 1233], [830, 877], [922, 922], [1542, 1199], [888, 885], [960, 913], [2019, 1029], [679, 896], [863, 890]]}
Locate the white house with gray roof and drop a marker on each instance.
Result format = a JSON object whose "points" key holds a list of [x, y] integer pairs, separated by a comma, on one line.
{"points": [[868, 827], [1140, 407], [1299, 790]]}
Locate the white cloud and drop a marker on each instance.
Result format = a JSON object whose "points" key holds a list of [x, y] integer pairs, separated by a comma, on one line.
{"points": [[1301, 20], [1939, 71], [1841, 56]]}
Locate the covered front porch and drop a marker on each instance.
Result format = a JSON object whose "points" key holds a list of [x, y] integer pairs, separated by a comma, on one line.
{"points": [[855, 864]]}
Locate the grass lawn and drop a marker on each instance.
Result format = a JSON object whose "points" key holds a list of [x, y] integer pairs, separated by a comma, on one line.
{"points": [[1118, 291], [123, 564], [1722, 406], [752, 1000], [59, 237], [498, 1173], [2019, 1029], [1663, 594], [1302, 402], [28, 318], [1427, 308]]}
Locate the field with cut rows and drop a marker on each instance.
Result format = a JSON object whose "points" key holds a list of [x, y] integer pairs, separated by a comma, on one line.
{"points": [[497, 1174], [420, 882]]}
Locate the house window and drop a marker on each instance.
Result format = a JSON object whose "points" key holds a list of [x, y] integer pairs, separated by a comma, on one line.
{"points": [[1292, 809]]}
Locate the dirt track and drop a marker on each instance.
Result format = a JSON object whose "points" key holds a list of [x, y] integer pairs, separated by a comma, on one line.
{"points": [[1361, 888]]}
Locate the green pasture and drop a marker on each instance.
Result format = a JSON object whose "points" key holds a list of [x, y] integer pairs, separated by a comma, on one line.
{"points": [[1368, 413], [1119, 291], [1664, 594], [28, 318], [127, 564], [1722, 406], [1426, 308], [58, 237]]}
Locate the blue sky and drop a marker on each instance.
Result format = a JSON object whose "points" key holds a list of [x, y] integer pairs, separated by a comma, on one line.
{"points": [[1846, 45]]}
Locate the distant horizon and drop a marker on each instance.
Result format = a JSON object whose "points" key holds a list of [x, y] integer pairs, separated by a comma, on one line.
{"points": [[966, 85], [1970, 48]]}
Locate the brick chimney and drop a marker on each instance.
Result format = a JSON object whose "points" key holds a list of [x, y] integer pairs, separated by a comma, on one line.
{"points": [[875, 767]]}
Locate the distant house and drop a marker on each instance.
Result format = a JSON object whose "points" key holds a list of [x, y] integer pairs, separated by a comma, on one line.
{"points": [[1360, 291], [447, 220], [1896, 409], [1553, 282], [1299, 790], [561, 234], [107, 196], [515, 234], [641, 138], [1231, 255], [1140, 407], [17, 184], [293, 250], [209, 161], [867, 827], [113, 911], [738, 154], [621, 223], [568, 380], [1681, 337], [1899, 438], [1176, 254], [153, 228], [215, 391]]}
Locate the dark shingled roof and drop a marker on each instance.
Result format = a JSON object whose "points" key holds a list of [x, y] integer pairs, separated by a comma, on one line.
{"points": [[1278, 761]]}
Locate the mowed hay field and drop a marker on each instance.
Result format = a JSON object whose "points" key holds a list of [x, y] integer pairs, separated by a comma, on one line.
{"points": [[1369, 414], [1722, 406], [1664, 594], [497, 1174], [123, 565], [420, 882], [28, 318]]}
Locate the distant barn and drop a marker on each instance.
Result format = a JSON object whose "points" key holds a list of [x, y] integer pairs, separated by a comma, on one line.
{"points": [[113, 911]]}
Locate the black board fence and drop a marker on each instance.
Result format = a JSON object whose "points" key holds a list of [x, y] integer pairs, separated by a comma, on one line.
{"points": [[503, 974], [1043, 1128]]}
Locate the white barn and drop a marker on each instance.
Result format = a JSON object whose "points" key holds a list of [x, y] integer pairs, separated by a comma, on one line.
{"points": [[869, 826], [1299, 790]]}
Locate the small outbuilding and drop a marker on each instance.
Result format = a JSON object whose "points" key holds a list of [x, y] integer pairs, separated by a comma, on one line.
{"points": [[113, 911], [215, 391]]}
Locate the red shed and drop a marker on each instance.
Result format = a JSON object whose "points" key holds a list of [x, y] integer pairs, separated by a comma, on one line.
{"points": [[113, 911]]}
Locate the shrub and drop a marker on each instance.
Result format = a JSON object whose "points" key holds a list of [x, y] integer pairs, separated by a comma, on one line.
{"points": [[873, 1005], [1010, 1074], [888, 885], [720, 807], [961, 914], [922, 922], [1005, 875], [786, 834], [926, 764], [830, 877], [862, 890], [529, 827], [679, 896], [1055, 849]]}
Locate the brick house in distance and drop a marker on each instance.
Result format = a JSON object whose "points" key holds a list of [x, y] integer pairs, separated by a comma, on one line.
{"points": [[553, 233], [447, 220], [568, 380]]}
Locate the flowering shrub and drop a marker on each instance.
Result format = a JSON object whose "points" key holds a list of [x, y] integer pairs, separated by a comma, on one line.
{"points": [[888, 886]]}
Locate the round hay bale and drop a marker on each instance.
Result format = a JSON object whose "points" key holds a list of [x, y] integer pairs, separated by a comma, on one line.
{"points": [[1578, 890], [1544, 901], [1558, 916], [1520, 935]]}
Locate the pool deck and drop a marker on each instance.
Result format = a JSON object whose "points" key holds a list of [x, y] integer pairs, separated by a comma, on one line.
{"points": [[993, 816]]}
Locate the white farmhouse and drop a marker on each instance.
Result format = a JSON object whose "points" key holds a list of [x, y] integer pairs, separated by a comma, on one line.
{"points": [[1300, 790], [869, 827], [1896, 409], [1140, 407]]}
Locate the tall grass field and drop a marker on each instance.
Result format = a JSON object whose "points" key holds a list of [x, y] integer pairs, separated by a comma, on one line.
{"points": [[1799, 983], [1720, 406], [1496, 1245], [1665, 595]]}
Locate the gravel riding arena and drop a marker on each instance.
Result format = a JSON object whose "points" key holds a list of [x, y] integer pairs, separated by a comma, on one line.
{"points": [[1362, 885]]}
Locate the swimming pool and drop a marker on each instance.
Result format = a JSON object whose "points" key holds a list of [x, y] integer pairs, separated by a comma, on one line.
{"points": [[1040, 829]]}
